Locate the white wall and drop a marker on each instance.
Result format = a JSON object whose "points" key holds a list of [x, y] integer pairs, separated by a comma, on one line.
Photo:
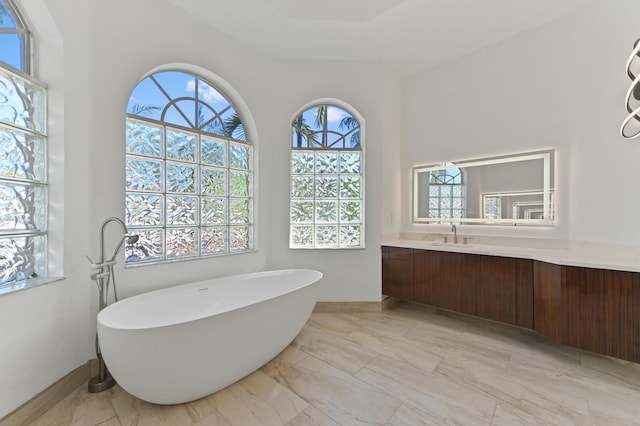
{"points": [[604, 198], [514, 96], [559, 86], [45, 333]]}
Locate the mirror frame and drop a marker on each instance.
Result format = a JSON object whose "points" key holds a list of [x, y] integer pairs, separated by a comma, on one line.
{"points": [[548, 201]]}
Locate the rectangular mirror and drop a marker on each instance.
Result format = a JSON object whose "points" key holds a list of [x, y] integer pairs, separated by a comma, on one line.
{"points": [[513, 189]]}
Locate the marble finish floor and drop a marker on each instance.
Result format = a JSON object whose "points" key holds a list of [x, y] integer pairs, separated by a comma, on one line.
{"points": [[409, 365]]}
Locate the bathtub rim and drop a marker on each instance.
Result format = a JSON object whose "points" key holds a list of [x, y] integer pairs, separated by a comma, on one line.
{"points": [[105, 312]]}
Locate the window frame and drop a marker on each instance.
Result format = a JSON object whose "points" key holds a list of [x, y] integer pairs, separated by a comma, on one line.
{"points": [[343, 228], [30, 137], [23, 31], [199, 167]]}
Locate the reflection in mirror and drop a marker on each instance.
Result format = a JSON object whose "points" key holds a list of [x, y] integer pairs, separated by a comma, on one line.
{"points": [[513, 190]]}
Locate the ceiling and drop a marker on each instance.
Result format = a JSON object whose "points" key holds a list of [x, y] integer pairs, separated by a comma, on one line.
{"points": [[408, 35]]}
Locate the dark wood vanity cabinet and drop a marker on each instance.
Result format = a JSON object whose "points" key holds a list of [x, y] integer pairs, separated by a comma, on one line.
{"points": [[596, 310], [497, 288]]}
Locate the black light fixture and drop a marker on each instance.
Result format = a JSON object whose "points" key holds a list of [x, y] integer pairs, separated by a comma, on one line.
{"points": [[634, 91]]}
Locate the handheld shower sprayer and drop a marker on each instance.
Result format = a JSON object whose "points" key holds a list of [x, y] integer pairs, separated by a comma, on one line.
{"points": [[129, 239]]}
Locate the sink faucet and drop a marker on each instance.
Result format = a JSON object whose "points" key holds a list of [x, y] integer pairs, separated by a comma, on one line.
{"points": [[455, 234]]}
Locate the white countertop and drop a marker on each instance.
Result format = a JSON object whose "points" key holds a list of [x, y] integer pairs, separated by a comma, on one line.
{"points": [[569, 253]]}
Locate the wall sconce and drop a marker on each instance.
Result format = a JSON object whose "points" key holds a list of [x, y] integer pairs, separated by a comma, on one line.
{"points": [[634, 91]]}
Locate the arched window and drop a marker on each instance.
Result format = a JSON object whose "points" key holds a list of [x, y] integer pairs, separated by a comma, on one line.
{"points": [[15, 38], [189, 171], [327, 179], [446, 193], [23, 154]]}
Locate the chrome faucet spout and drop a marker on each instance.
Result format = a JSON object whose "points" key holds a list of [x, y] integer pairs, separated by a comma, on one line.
{"points": [[455, 234]]}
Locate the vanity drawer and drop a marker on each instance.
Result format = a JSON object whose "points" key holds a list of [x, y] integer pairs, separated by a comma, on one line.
{"points": [[397, 272]]}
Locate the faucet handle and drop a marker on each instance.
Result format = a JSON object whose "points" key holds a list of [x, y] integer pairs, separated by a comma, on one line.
{"points": [[94, 265], [98, 275]]}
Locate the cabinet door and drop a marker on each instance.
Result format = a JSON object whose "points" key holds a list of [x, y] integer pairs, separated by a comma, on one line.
{"points": [[504, 288], [397, 272], [593, 309], [494, 279], [547, 302], [524, 292], [608, 320], [442, 280]]}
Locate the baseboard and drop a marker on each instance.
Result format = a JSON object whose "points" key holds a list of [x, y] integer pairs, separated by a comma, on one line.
{"points": [[355, 307], [388, 302], [28, 412], [347, 307]]}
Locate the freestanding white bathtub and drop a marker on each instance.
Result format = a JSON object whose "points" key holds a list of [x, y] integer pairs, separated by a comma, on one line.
{"points": [[182, 343]]}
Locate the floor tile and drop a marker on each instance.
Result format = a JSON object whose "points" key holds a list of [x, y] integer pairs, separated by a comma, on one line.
{"points": [[258, 400], [312, 417], [444, 400], [132, 411], [113, 421], [410, 365], [342, 397], [337, 350], [407, 415], [536, 396], [508, 415], [280, 368], [79, 408]]}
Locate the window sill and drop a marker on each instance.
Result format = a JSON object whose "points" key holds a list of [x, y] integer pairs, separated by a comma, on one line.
{"points": [[189, 258], [26, 284]]}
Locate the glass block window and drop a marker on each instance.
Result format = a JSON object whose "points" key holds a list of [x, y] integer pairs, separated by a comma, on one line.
{"points": [[446, 193], [493, 207], [23, 177], [327, 180], [189, 171], [15, 38]]}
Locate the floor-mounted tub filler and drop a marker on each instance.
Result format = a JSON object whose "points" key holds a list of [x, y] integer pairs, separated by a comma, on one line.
{"points": [[183, 343]]}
